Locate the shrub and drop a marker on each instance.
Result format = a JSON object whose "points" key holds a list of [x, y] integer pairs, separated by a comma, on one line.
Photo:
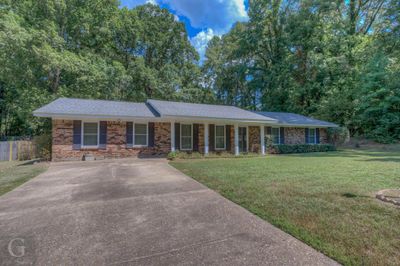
{"points": [[197, 155], [172, 155], [43, 146], [300, 148], [338, 135]]}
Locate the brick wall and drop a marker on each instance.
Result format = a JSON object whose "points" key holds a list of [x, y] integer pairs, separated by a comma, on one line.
{"points": [[294, 135], [254, 139], [201, 138], [323, 136], [116, 142]]}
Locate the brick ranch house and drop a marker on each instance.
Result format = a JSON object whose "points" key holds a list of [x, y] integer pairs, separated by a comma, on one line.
{"points": [[123, 129]]}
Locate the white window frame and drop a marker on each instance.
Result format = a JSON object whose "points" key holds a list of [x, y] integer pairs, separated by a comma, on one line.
{"points": [[215, 137], [82, 134], [279, 135], [191, 136], [315, 136], [133, 134]]}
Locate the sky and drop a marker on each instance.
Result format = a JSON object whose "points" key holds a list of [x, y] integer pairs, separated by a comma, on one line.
{"points": [[203, 18]]}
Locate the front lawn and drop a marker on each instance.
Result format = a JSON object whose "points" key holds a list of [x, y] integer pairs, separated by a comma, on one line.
{"points": [[325, 199], [15, 173]]}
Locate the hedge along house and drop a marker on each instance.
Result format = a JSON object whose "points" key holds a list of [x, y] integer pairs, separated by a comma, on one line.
{"points": [[123, 129]]}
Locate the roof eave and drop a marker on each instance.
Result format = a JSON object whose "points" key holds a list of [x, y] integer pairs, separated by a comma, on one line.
{"points": [[202, 118], [86, 116], [305, 125]]}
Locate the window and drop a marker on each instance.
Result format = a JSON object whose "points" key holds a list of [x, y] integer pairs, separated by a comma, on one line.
{"points": [[186, 137], [90, 134], [220, 137], [275, 136], [312, 136], [140, 134]]}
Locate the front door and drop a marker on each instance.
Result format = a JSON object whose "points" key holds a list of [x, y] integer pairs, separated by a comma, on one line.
{"points": [[242, 139]]}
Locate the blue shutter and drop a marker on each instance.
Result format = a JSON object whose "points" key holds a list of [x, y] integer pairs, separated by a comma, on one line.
{"points": [[317, 135], [177, 136], [306, 135], [282, 135], [228, 137], [103, 135], [77, 138], [151, 134], [195, 137], [129, 134], [211, 137]]}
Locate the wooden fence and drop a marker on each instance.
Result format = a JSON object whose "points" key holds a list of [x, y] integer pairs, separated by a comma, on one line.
{"points": [[17, 150]]}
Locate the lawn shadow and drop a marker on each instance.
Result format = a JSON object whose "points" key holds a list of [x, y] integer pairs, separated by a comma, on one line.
{"points": [[354, 153], [30, 162], [390, 159], [352, 195]]}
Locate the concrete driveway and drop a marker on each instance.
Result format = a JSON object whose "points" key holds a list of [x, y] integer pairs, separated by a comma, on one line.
{"points": [[137, 211]]}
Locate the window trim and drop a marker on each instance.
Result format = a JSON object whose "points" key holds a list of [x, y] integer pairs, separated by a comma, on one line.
{"points": [[133, 135], [83, 132], [191, 136], [279, 135], [315, 135], [215, 137]]}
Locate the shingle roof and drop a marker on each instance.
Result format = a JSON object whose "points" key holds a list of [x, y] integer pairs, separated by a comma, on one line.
{"points": [[82, 107], [296, 119], [181, 109], [68, 107]]}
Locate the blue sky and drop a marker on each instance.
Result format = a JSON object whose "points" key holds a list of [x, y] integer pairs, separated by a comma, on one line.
{"points": [[203, 18]]}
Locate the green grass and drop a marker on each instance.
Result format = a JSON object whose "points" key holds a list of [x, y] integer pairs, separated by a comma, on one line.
{"points": [[325, 199], [15, 173]]}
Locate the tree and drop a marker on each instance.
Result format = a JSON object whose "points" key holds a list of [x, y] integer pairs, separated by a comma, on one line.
{"points": [[89, 49]]}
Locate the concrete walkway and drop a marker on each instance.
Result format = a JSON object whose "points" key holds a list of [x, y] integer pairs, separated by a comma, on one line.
{"points": [[136, 212]]}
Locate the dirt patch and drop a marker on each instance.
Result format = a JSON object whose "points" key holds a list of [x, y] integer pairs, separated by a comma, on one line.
{"points": [[389, 195]]}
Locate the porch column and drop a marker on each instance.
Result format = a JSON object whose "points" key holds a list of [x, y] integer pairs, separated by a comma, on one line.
{"points": [[172, 136], [205, 138], [236, 139], [262, 138]]}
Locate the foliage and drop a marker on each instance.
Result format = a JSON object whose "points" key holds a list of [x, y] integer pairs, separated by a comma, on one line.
{"points": [[172, 155], [43, 146], [300, 148], [333, 60], [326, 200], [197, 155], [338, 135], [379, 106], [89, 49]]}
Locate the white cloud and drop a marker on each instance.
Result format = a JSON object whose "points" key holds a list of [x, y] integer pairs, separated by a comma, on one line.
{"points": [[201, 40], [214, 17], [218, 15]]}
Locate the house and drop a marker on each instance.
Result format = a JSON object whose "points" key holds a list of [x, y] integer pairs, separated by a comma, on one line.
{"points": [[123, 129]]}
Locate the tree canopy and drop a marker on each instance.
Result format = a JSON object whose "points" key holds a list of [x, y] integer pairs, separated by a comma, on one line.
{"points": [[89, 49], [333, 60]]}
